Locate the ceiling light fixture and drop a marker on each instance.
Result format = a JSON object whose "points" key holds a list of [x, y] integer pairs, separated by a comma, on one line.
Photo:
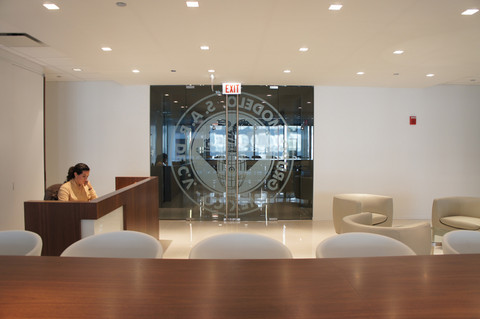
{"points": [[335, 7], [211, 71], [106, 49], [51, 6], [77, 69], [303, 49], [287, 71], [398, 52], [121, 4], [430, 75], [204, 47], [469, 12], [192, 4], [136, 71], [360, 73]]}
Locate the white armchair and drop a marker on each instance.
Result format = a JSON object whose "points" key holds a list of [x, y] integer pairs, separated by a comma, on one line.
{"points": [[380, 206], [116, 244], [461, 242], [453, 213], [20, 243], [239, 246], [416, 236], [361, 245]]}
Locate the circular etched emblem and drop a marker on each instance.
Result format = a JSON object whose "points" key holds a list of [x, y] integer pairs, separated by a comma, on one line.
{"points": [[224, 161]]}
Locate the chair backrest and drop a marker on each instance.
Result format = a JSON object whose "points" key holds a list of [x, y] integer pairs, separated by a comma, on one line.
{"points": [[20, 243], [417, 236], [51, 193], [461, 242], [239, 246], [361, 245], [117, 244]]}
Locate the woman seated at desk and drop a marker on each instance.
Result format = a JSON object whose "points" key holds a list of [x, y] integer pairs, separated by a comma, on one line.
{"points": [[77, 187]]}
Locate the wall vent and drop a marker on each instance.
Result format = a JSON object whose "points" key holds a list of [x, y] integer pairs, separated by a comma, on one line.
{"points": [[12, 40]]}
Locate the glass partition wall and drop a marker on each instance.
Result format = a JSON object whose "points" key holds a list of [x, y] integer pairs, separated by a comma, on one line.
{"points": [[232, 157]]}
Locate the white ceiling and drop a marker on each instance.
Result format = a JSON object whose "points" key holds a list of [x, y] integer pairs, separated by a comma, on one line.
{"points": [[252, 41]]}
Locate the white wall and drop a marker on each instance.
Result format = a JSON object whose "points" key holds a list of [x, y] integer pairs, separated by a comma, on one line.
{"points": [[102, 124], [363, 140], [21, 137], [364, 144]]}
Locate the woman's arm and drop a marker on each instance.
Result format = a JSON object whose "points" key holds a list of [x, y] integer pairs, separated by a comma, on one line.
{"points": [[90, 191], [63, 193]]}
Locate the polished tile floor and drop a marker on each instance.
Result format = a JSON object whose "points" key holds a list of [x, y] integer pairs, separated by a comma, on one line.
{"points": [[300, 236]]}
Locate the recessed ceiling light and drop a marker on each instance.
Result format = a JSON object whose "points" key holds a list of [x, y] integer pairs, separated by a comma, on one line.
{"points": [[211, 71], [192, 4], [398, 52], [106, 49], [360, 73], [136, 71], [430, 75], [303, 49], [51, 6], [273, 87], [469, 12], [335, 7], [287, 71], [77, 69], [121, 4], [204, 47]]}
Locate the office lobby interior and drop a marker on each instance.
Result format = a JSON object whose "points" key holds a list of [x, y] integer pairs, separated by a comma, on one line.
{"points": [[336, 98]]}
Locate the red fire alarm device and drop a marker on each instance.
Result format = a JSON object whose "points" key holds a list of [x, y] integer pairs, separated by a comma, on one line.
{"points": [[413, 120]]}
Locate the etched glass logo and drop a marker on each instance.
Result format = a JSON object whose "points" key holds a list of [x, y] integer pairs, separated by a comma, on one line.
{"points": [[214, 153]]}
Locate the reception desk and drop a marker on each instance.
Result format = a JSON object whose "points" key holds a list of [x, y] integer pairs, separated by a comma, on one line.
{"points": [[59, 223]]}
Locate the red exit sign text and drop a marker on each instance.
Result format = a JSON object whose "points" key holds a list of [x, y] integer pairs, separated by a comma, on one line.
{"points": [[232, 88]]}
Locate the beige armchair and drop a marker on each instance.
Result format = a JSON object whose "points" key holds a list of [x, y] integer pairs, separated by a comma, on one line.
{"points": [[416, 236], [461, 242], [361, 245], [453, 213], [380, 206]]}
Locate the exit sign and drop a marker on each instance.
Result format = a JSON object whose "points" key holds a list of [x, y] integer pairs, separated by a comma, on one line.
{"points": [[232, 88]]}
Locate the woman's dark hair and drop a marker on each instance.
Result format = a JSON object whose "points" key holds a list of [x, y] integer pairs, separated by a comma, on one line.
{"points": [[79, 168]]}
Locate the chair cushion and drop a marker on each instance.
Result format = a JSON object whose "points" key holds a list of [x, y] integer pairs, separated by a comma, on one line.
{"points": [[378, 218], [461, 222]]}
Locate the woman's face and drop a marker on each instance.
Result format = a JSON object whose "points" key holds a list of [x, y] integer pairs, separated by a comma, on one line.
{"points": [[82, 179]]}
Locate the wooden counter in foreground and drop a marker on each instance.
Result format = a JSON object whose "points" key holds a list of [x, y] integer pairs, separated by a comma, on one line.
{"points": [[58, 223]]}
